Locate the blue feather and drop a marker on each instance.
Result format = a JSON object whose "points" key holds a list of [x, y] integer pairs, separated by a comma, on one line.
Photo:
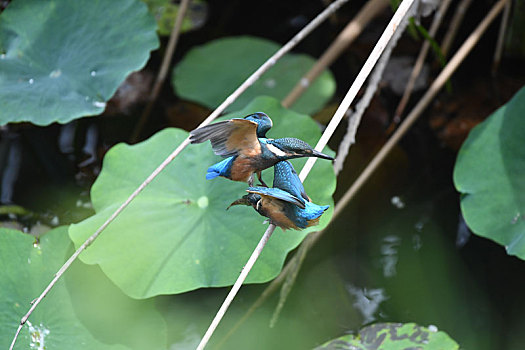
{"points": [[313, 211], [279, 194], [222, 168], [287, 180], [302, 217]]}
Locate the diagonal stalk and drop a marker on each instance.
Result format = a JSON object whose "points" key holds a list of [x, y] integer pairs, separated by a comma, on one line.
{"points": [[352, 30], [358, 82], [438, 18], [501, 38], [461, 10], [163, 72]]}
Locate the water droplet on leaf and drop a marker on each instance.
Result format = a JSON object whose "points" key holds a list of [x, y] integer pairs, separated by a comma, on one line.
{"points": [[202, 202], [55, 74], [100, 104], [38, 336]]}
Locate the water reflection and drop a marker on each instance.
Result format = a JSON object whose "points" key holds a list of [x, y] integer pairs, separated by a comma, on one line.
{"points": [[397, 202], [389, 254], [191, 338], [463, 232], [367, 301]]}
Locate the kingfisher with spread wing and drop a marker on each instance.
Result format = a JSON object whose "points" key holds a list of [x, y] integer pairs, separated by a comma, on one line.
{"points": [[286, 204], [243, 142]]}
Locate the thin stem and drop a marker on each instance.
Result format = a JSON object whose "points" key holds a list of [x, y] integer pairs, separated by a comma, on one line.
{"points": [[266, 293], [352, 30], [436, 86], [163, 72], [438, 18], [229, 100], [461, 9], [290, 279], [373, 82], [358, 82], [501, 37], [233, 292]]}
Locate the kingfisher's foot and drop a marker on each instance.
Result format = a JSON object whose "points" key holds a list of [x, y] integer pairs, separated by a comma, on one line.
{"points": [[250, 181], [262, 183]]}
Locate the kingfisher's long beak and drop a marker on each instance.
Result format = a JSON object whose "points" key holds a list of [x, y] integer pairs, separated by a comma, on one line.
{"points": [[321, 155], [240, 201]]}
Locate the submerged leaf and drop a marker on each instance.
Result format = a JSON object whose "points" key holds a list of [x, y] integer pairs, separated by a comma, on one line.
{"points": [[209, 73], [393, 336], [61, 59], [489, 172], [177, 235]]}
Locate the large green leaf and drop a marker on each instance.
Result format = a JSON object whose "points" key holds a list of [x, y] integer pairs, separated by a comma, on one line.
{"points": [[209, 73], [490, 174], [26, 271], [62, 59], [393, 336], [177, 236]]}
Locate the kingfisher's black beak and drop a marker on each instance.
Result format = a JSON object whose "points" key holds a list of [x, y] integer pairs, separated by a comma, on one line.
{"points": [[321, 155]]}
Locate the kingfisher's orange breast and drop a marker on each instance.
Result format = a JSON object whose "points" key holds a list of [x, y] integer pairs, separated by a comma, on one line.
{"points": [[274, 210], [241, 169]]}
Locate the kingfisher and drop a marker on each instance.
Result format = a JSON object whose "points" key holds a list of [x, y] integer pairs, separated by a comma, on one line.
{"points": [[243, 142], [286, 204]]}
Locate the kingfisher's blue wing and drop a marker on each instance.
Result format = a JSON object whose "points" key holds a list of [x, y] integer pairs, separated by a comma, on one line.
{"points": [[286, 179], [230, 137], [279, 194]]}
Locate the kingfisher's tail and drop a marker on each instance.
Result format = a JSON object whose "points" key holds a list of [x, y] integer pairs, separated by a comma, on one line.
{"points": [[222, 168]]}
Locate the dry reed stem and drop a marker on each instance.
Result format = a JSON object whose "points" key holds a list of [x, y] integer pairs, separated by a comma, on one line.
{"points": [[442, 78], [461, 9], [501, 37], [358, 82], [438, 18], [352, 30], [163, 72]]}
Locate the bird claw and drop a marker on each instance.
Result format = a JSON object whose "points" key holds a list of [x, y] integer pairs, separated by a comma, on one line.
{"points": [[250, 181], [262, 183]]}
